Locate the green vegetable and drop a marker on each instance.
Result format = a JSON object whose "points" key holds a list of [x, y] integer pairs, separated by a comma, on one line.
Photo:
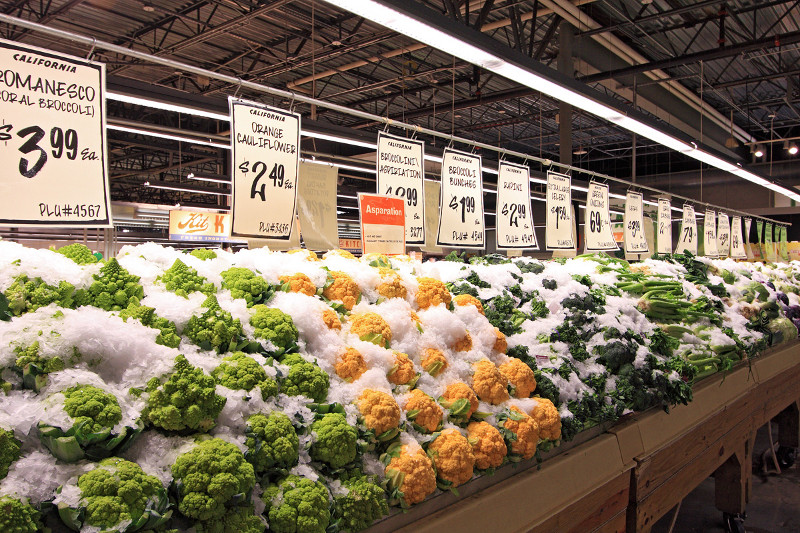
{"points": [[272, 443], [168, 335], [275, 326], [5, 311], [215, 329], [79, 253], [25, 295], [239, 371], [335, 441], [113, 289], [18, 516], [305, 378], [297, 505], [546, 388], [9, 450], [364, 503], [236, 520], [33, 368], [211, 478], [245, 284], [501, 311], [185, 401], [204, 253], [783, 330]]}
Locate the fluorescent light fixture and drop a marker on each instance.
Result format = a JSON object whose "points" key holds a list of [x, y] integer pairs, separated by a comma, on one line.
{"points": [[160, 135], [209, 177], [336, 138], [340, 165], [171, 187], [156, 104]]}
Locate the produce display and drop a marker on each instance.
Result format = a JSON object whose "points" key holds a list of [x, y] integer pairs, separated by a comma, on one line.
{"points": [[255, 391]]}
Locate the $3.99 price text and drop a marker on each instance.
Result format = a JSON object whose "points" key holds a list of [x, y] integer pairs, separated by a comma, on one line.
{"points": [[277, 175], [37, 150]]}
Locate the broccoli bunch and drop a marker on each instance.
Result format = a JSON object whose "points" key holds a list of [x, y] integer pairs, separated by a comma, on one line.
{"points": [[211, 478], [117, 496], [113, 289], [239, 371], [182, 279], [305, 379], [241, 519], [168, 335], [364, 503], [275, 326], [335, 442], [25, 295], [79, 253], [502, 312], [18, 516], [244, 283], [204, 253], [215, 328], [33, 367], [272, 443], [9, 450], [297, 504], [186, 401]]}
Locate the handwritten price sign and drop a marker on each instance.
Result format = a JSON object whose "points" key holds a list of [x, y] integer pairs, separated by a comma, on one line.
{"points": [[599, 236], [461, 202], [559, 235], [710, 234], [514, 223], [687, 240], [401, 173], [635, 240], [664, 238]]}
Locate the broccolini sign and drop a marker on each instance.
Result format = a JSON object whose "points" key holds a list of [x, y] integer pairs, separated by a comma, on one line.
{"points": [[400, 174]]}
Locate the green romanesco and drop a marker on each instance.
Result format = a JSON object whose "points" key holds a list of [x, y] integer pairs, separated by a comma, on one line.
{"points": [[215, 329], [168, 335], [237, 520], [182, 279], [33, 367], [210, 478], [92, 408], [297, 505], [118, 496], [25, 295], [364, 503], [9, 450], [246, 284], [79, 253], [186, 401], [272, 443], [114, 288], [335, 442], [17, 516], [275, 326], [204, 253], [305, 378], [239, 371]]}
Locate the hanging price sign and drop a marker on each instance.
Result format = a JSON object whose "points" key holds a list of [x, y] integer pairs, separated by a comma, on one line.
{"points": [[635, 240], [514, 227], [723, 235], [265, 143], [599, 236], [53, 133], [687, 240], [748, 223], [770, 253], [461, 201], [558, 230], [737, 244], [710, 234], [401, 174], [664, 237], [783, 246]]}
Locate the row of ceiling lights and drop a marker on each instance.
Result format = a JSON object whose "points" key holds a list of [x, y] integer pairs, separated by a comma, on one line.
{"points": [[759, 151]]}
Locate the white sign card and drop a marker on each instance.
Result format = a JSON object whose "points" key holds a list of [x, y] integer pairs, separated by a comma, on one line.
{"points": [[265, 155], [664, 237], [723, 235], [401, 173], [316, 201], [461, 221], [737, 244], [710, 234], [687, 240], [514, 219], [558, 227], [53, 133], [748, 222], [599, 236], [633, 220]]}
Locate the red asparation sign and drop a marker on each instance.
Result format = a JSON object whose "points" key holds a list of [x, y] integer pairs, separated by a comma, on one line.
{"points": [[383, 224]]}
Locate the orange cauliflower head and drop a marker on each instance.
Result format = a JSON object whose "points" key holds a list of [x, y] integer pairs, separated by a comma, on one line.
{"points": [[464, 344], [500, 343], [452, 455], [433, 361], [338, 253], [432, 292], [520, 377], [331, 319], [488, 445], [371, 327], [343, 289], [350, 365], [380, 412], [525, 431], [391, 286], [468, 299], [488, 383], [411, 474], [299, 283], [546, 415], [307, 254], [460, 400], [423, 411], [403, 370]]}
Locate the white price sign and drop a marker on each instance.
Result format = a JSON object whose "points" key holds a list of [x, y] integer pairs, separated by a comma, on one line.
{"points": [[710, 234], [599, 236], [558, 230], [401, 174], [687, 240], [266, 157], [53, 133], [514, 226], [664, 238], [748, 223], [461, 206], [635, 239], [723, 235], [737, 244]]}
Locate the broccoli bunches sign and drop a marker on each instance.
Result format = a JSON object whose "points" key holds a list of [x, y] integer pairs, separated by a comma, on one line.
{"points": [[265, 148], [53, 139], [401, 173], [461, 202]]}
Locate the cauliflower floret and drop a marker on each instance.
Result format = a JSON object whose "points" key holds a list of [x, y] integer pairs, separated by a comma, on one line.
{"points": [[521, 379], [487, 445], [522, 434], [460, 401], [350, 365], [402, 371], [464, 344], [298, 283], [432, 292], [391, 286], [307, 254], [371, 327], [546, 415], [334, 440], [297, 504], [489, 383], [423, 411], [331, 319], [433, 361], [338, 253], [343, 289], [272, 443], [500, 342], [453, 457], [410, 475], [18, 515], [380, 412], [468, 299]]}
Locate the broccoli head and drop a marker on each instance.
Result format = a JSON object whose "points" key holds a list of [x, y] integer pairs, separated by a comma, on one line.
{"points": [[215, 329], [182, 279], [114, 288], [239, 371], [305, 379], [204, 253], [25, 295], [79, 253], [297, 504], [275, 326], [335, 441], [240, 519], [9, 450], [364, 503], [18, 516], [245, 284], [272, 443], [168, 335], [33, 367]]}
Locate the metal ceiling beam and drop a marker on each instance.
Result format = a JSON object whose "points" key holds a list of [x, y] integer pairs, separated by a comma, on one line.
{"points": [[647, 18]]}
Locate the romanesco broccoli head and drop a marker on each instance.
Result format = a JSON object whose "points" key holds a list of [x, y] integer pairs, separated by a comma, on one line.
{"points": [[33, 367], [211, 477], [371, 327], [272, 443], [168, 335], [305, 379], [335, 441], [114, 288], [215, 329], [183, 279], [350, 365], [380, 413], [79, 253], [409, 474], [364, 503], [275, 326], [18, 516], [239, 371], [9, 450], [187, 400], [241, 519], [92, 408], [488, 445], [297, 504], [247, 285], [453, 458], [25, 294], [204, 253]]}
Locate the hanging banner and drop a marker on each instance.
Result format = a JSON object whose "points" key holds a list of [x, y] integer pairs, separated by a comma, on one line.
{"points": [[383, 224], [635, 240], [53, 154], [599, 236], [432, 189], [401, 173], [737, 244], [559, 234], [265, 156], [316, 202], [664, 237], [710, 234], [769, 245], [514, 219], [461, 221], [759, 230], [723, 235], [687, 240], [748, 222], [783, 247]]}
